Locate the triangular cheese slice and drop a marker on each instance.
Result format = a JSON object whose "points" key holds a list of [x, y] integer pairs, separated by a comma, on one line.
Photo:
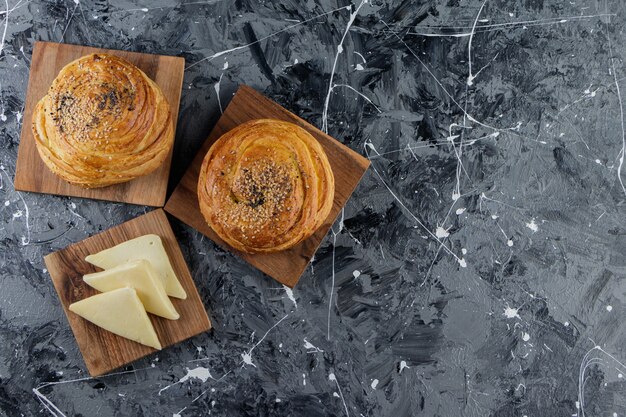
{"points": [[121, 312], [148, 247], [141, 276]]}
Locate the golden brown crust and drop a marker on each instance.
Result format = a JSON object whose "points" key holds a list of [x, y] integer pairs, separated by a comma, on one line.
{"points": [[102, 122], [265, 186]]}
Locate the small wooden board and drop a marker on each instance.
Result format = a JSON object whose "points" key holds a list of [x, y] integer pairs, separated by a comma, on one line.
{"points": [[33, 175], [104, 351], [347, 165]]}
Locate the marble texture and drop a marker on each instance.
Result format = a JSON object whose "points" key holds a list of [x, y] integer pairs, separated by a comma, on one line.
{"points": [[478, 270]]}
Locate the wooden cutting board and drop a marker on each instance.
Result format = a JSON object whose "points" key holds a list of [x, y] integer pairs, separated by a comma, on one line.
{"points": [[104, 351], [348, 167], [31, 173]]}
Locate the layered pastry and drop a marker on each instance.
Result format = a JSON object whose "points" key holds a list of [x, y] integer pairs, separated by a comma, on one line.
{"points": [[265, 186], [103, 122]]}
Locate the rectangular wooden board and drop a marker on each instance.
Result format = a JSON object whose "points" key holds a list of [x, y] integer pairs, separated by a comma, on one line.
{"points": [[104, 351], [33, 175], [348, 167]]}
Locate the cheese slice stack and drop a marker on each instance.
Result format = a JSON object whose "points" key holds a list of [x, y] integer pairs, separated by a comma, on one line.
{"points": [[141, 276], [148, 247], [121, 312], [137, 278]]}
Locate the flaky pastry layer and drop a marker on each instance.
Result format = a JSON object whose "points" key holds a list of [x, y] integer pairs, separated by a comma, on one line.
{"points": [[102, 122], [265, 186]]}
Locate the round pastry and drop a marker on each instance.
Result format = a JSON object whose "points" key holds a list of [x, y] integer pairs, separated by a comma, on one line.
{"points": [[102, 122], [265, 186]]}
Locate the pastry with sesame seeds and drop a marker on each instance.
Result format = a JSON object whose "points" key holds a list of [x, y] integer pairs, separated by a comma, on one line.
{"points": [[265, 186], [103, 122]]}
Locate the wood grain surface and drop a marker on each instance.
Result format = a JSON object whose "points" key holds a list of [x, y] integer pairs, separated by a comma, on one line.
{"points": [[104, 351], [348, 168], [33, 175]]}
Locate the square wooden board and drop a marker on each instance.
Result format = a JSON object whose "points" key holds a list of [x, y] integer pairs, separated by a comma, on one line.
{"points": [[32, 174], [104, 351], [348, 167]]}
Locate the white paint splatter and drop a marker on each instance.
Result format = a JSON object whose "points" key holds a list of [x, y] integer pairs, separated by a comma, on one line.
{"points": [[200, 373], [225, 67], [463, 251], [609, 308], [360, 56], [509, 243], [332, 72], [366, 98], [311, 348], [441, 232], [470, 77], [356, 273], [374, 383], [460, 211], [462, 263], [596, 356], [304, 379], [332, 284], [289, 292], [532, 226], [246, 357], [525, 337], [359, 67], [332, 377], [403, 366], [216, 86], [510, 312]]}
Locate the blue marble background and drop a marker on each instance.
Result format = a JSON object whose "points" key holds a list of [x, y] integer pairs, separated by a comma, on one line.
{"points": [[478, 270]]}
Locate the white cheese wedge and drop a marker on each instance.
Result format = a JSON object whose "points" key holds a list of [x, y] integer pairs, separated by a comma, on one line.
{"points": [[148, 247], [121, 312], [141, 276]]}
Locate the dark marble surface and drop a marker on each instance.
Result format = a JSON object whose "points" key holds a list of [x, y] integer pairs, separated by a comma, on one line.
{"points": [[478, 270]]}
